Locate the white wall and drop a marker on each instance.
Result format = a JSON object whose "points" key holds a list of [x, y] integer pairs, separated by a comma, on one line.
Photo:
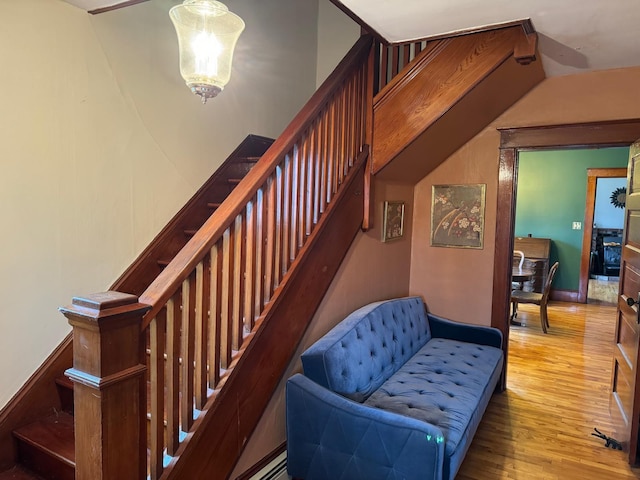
{"points": [[605, 215], [101, 143]]}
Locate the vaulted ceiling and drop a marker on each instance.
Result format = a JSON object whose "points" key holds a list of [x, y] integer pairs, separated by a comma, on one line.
{"points": [[574, 35]]}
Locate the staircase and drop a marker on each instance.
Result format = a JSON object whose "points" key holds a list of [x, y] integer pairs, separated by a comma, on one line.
{"points": [[221, 308], [46, 444]]}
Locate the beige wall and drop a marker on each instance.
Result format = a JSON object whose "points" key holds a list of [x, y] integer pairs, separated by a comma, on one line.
{"points": [[101, 143], [372, 271], [336, 35], [458, 283]]}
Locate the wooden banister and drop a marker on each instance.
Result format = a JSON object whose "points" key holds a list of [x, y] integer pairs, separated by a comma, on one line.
{"points": [[174, 274], [195, 321]]}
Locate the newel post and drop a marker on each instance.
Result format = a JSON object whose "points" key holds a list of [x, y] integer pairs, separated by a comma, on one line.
{"points": [[109, 377]]}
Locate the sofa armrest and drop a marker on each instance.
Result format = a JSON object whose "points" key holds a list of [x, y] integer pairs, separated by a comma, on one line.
{"points": [[329, 436], [480, 335]]}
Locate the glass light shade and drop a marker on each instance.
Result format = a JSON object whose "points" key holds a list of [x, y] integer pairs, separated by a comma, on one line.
{"points": [[207, 35]]}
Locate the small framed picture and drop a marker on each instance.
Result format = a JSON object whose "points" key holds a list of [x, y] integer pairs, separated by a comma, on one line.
{"points": [[392, 221]]}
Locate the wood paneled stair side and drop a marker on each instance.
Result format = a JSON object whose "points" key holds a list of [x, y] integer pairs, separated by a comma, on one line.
{"points": [[175, 235], [446, 95]]}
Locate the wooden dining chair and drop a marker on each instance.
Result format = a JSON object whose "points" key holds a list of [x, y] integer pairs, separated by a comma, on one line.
{"points": [[518, 296]]}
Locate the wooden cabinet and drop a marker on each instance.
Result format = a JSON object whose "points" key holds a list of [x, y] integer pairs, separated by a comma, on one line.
{"points": [[536, 253]]}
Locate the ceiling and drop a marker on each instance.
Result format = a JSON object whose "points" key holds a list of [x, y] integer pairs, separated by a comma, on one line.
{"points": [[574, 35]]}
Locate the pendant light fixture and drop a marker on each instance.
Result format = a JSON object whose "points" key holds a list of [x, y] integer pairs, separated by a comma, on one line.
{"points": [[207, 35]]}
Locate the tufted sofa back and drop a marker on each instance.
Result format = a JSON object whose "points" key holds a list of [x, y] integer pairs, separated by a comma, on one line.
{"points": [[366, 348]]}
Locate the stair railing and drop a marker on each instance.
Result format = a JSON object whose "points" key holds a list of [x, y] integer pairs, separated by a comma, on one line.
{"points": [[207, 304], [391, 59]]}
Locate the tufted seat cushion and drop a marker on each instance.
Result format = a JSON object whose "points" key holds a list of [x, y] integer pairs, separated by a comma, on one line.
{"points": [[444, 384]]}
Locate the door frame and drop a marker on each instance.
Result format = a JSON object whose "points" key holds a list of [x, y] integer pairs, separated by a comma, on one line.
{"points": [[614, 133], [593, 174]]}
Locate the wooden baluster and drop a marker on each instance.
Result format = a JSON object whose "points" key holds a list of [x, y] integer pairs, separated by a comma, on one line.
{"points": [[237, 275], [330, 151], [259, 259], [384, 67], [277, 232], [226, 315], [109, 385], [201, 331], [250, 266], [351, 118], [215, 322], [286, 213], [294, 223], [270, 232], [340, 123], [157, 386], [395, 61], [417, 48], [315, 178], [173, 374], [188, 351], [322, 161], [306, 209], [406, 55]]}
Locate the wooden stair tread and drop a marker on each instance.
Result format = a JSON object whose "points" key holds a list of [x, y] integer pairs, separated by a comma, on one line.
{"points": [[213, 205], [64, 382], [53, 435], [18, 473]]}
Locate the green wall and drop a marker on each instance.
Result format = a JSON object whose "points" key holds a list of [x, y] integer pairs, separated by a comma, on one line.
{"points": [[552, 191]]}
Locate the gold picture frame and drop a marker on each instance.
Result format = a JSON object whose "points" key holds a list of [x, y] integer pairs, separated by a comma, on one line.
{"points": [[457, 215], [393, 221]]}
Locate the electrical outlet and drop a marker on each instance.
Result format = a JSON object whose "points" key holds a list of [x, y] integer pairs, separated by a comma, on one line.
{"points": [[577, 226]]}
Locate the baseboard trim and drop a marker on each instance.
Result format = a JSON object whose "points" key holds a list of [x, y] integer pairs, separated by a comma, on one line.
{"points": [[247, 475], [564, 295]]}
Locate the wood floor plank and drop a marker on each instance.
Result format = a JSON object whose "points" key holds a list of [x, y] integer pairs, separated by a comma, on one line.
{"points": [[557, 392]]}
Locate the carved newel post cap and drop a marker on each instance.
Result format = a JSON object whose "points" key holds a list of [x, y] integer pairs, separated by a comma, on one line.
{"points": [[103, 305]]}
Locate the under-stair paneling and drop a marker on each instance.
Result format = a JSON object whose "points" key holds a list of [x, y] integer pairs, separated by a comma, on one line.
{"points": [[455, 89]]}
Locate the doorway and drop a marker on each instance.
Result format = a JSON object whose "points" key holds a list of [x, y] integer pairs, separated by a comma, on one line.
{"points": [[604, 220], [613, 133]]}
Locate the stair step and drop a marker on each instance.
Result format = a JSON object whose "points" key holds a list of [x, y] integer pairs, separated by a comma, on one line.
{"points": [[190, 232], [65, 392], [233, 181], [213, 205], [19, 473], [163, 263], [249, 159], [47, 446]]}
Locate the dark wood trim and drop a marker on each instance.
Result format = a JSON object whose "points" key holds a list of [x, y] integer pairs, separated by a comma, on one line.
{"points": [[606, 133], [601, 134], [564, 295], [503, 249], [525, 23], [247, 475], [592, 176], [117, 6], [365, 27]]}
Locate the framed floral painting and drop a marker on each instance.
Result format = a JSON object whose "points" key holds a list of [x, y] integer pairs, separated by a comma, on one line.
{"points": [[457, 216], [393, 221]]}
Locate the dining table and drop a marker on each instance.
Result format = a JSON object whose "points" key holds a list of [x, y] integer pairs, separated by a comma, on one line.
{"points": [[520, 276]]}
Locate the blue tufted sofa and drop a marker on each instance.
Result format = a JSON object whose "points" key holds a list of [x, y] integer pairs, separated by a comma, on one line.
{"points": [[392, 392]]}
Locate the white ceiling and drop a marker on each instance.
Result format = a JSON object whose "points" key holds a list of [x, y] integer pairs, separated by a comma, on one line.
{"points": [[574, 35]]}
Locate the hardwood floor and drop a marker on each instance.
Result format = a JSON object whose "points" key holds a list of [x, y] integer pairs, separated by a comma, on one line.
{"points": [[557, 392]]}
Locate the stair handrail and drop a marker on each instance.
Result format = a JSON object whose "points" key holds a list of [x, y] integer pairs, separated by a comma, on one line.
{"points": [[162, 288]]}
